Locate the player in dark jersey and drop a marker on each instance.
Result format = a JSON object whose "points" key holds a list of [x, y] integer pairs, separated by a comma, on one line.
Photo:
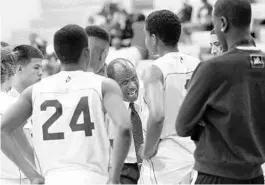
{"points": [[227, 96]]}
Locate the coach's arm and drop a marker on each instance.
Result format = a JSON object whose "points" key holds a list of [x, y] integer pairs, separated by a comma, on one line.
{"points": [[195, 102]]}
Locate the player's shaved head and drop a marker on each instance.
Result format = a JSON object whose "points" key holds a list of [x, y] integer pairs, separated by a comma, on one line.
{"points": [[98, 40], [118, 65], [237, 12], [98, 32]]}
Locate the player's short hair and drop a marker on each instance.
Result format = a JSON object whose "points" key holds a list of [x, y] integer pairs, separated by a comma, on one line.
{"points": [[166, 25], [98, 32], [141, 17], [7, 64], [238, 12], [24, 54], [69, 43], [4, 44], [118, 61]]}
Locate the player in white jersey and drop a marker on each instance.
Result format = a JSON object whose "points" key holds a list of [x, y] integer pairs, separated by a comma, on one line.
{"points": [[168, 158], [69, 132], [10, 173]]}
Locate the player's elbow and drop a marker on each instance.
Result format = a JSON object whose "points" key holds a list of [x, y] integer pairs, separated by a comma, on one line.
{"points": [[126, 128], [182, 129], [158, 116], [5, 130], [183, 133]]}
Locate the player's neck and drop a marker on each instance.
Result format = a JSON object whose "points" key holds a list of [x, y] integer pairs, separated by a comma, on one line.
{"points": [[162, 50], [72, 67], [19, 87], [238, 37]]}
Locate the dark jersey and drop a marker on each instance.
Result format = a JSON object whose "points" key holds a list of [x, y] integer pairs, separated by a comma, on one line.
{"points": [[226, 97]]}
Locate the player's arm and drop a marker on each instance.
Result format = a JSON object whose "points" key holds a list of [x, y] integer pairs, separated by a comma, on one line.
{"points": [[113, 103], [22, 137], [154, 96], [194, 104], [15, 117]]}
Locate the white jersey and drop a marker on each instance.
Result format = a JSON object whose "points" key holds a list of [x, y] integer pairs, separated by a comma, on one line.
{"points": [[69, 131], [175, 153], [8, 169], [177, 69]]}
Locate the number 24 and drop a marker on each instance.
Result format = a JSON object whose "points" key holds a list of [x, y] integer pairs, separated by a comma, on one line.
{"points": [[82, 106]]}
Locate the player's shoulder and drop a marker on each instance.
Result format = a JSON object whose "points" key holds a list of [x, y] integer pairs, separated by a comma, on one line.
{"points": [[190, 58], [6, 100], [109, 85]]}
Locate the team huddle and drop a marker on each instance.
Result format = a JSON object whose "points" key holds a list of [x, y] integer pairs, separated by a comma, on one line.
{"points": [[177, 123]]}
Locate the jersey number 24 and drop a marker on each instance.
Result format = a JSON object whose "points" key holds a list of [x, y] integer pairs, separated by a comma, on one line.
{"points": [[82, 106]]}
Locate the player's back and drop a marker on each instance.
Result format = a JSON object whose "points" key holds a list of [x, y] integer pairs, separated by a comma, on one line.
{"points": [[68, 123], [177, 69]]}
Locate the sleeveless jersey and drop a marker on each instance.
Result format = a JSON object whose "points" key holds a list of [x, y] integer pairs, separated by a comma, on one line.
{"points": [[177, 69], [68, 122], [8, 169]]}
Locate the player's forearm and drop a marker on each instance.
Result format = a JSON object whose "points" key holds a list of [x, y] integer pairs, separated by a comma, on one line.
{"points": [[154, 130], [23, 142], [12, 151], [121, 146]]}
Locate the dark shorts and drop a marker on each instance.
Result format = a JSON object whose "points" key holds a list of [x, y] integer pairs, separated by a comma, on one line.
{"points": [[204, 178]]}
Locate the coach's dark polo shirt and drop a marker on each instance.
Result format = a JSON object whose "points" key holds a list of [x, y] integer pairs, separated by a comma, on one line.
{"points": [[227, 95]]}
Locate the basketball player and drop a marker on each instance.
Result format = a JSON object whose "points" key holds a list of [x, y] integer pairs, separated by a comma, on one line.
{"points": [[10, 173], [99, 41], [28, 72], [225, 95], [216, 48], [69, 133], [169, 158]]}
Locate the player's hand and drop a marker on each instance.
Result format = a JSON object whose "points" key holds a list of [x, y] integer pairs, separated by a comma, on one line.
{"points": [[37, 180]]}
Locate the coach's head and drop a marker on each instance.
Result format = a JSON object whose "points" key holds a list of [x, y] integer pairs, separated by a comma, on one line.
{"points": [[123, 72], [231, 19]]}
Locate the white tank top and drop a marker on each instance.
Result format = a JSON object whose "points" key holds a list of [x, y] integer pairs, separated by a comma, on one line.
{"points": [[68, 122], [8, 169], [177, 69]]}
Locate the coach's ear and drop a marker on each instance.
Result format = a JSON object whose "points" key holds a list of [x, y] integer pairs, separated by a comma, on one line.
{"points": [[224, 24]]}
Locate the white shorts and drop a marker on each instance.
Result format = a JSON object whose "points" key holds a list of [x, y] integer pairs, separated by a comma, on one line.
{"points": [[74, 176], [171, 165], [6, 181]]}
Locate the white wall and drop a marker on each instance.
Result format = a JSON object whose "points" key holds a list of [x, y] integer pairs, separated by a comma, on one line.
{"points": [[17, 14]]}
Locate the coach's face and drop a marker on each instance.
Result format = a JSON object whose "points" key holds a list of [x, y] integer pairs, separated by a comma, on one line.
{"points": [[32, 72], [129, 83], [220, 27]]}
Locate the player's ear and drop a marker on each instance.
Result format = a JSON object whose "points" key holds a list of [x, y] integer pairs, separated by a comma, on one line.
{"points": [[103, 55], [19, 68], [86, 54], [224, 24], [154, 39]]}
